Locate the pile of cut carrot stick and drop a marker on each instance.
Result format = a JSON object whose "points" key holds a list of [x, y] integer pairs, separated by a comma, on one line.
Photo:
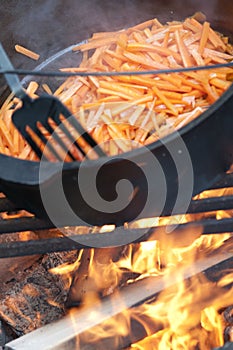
{"points": [[123, 112]]}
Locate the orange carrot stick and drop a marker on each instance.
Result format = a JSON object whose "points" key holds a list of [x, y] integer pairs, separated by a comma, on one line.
{"points": [[204, 37], [104, 91], [31, 54], [144, 61], [120, 88], [143, 25], [93, 44], [165, 100], [147, 47], [183, 50]]}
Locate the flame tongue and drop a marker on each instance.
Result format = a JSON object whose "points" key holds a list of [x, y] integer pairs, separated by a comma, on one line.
{"points": [[185, 314]]}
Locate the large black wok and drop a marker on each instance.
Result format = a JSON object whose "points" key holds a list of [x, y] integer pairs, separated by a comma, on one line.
{"points": [[161, 178]]}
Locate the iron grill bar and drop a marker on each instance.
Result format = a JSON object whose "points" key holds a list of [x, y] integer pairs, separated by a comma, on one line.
{"points": [[210, 204], [225, 182], [58, 244], [32, 223], [24, 224], [7, 205]]}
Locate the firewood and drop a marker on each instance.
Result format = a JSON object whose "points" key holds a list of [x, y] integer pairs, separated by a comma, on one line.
{"points": [[84, 285], [79, 331], [10, 267], [36, 296]]}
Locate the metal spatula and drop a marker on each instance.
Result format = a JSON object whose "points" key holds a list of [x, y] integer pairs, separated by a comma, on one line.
{"points": [[46, 123]]}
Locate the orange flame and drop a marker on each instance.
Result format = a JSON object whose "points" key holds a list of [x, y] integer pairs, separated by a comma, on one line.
{"points": [[185, 315]]}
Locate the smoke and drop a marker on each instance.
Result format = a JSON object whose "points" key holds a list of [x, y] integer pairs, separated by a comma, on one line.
{"points": [[47, 26]]}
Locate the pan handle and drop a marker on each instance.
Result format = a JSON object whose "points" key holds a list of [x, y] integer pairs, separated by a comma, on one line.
{"points": [[12, 79]]}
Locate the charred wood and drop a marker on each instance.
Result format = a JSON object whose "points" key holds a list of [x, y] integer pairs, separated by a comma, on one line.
{"points": [[84, 285], [35, 296], [228, 315], [77, 331], [6, 334], [9, 267], [227, 346]]}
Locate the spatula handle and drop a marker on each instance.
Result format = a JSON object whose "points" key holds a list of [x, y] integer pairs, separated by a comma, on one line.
{"points": [[12, 79]]}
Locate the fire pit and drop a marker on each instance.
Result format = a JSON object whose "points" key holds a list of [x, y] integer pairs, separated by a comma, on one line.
{"points": [[208, 267], [110, 291]]}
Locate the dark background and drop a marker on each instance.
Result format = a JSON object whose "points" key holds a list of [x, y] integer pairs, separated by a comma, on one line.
{"points": [[47, 26]]}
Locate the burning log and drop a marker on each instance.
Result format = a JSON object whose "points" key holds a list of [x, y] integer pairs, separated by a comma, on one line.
{"points": [[35, 297], [228, 317], [9, 267], [84, 284], [76, 330], [228, 334], [227, 346], [6, 334]]}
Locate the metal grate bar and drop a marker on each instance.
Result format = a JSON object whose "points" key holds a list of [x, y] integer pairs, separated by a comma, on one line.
{"points": [[7, 206], [196, 206], [210, 204], [24, 224], [225, 182], [58, 244], [32, 223]]}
